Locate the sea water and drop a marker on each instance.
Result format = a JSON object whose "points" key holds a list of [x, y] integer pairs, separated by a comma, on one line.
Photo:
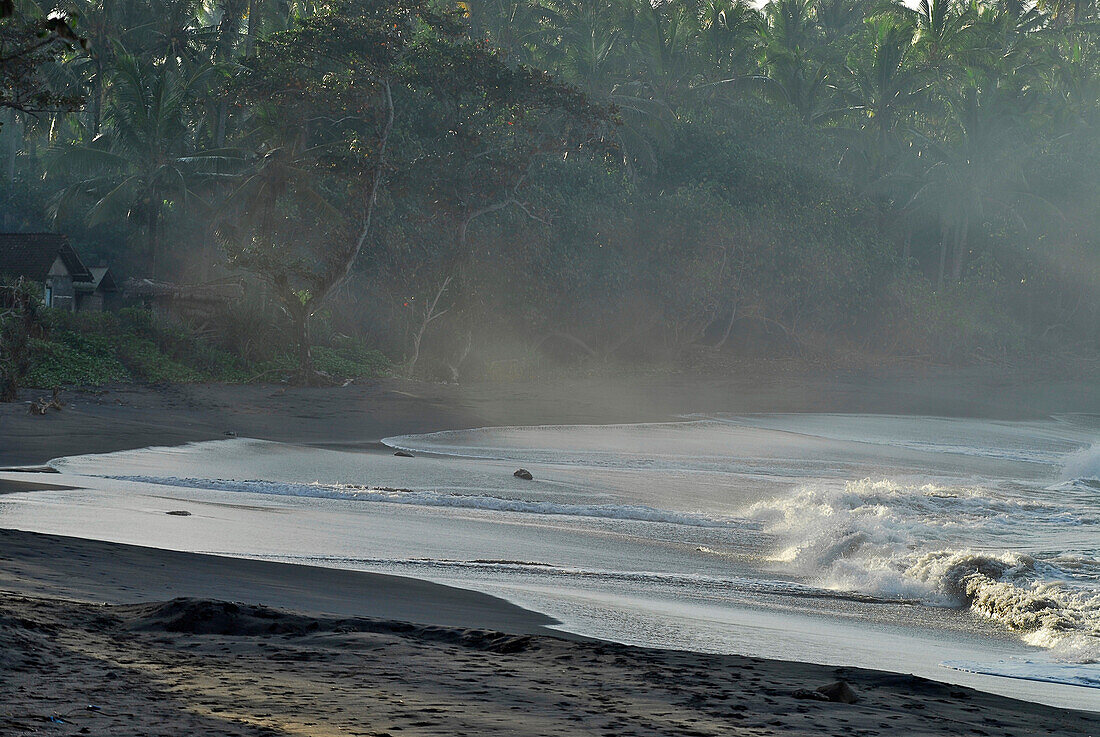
{"points": [[959, 549]]}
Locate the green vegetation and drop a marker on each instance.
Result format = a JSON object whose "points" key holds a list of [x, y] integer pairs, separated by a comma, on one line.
{"points": [[464, 186], [18, 321], [90, 349]]}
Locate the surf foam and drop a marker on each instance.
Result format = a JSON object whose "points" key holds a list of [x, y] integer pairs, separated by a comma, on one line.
{"points": [[887, 539], [351, 492], [1082, 470]]}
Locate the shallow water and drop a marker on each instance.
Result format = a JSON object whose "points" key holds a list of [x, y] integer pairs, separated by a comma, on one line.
{"points": [[962, 550]]}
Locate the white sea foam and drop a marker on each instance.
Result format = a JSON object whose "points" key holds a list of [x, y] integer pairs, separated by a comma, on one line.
{"points": [[1082, 470], [637, 513], [885, 539], [1028, 670]]}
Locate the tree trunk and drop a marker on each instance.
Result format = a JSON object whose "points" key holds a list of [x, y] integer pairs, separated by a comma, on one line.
{"points": [[220, 123], [960, 250], [729, 328], [97, 96], [944, 229], [305, 349], [152, 225], [430, 315], [13, 144], [14, 341]]}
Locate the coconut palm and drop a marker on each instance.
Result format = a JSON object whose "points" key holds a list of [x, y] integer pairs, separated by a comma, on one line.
{"points": [[144, 164], [796, 70], [730, 36], [883, 85], [975, 173]]}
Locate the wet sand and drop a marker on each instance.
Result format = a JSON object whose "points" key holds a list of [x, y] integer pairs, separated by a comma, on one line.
{"points": [[91, 641]]}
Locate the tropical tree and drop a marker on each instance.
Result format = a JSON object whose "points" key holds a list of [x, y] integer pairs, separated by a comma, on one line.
{"points": [[796, 71], [144, 165], [29, 46], [882, 85], [974, 174]]}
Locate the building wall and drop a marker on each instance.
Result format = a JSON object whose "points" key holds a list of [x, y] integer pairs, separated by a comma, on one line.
{"points": [[59, 287], [90, 302]]}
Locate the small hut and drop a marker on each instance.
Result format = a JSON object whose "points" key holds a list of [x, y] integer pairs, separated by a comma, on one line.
{"points": [[48, 259]]}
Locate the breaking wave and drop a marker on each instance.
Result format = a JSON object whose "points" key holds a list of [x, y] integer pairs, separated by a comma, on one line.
{"points": [[887, 539], [351, 492], [1082, 471]]}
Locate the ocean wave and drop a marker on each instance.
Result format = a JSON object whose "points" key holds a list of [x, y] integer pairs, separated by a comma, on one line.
{"points": [[351, 492], [1081, 471], [1087, 676], [1008, 588], [887, 539], [987, 439]]}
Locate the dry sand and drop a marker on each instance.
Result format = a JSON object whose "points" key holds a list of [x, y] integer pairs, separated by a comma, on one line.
{"points": [[94, 639]]}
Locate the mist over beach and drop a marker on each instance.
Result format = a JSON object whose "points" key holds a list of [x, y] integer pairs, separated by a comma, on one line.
{"points": [[549, 367]]}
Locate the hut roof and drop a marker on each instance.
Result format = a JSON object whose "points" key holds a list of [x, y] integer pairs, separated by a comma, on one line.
{"points": [[31, 255]]}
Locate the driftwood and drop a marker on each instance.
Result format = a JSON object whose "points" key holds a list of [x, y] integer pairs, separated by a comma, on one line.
{"points": [[42, 405]]}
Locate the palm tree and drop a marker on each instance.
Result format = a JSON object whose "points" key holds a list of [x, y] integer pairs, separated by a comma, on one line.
{"points": [[1065, 13], [594, 46], [883, 85], [944, 32], [663, 44], [730, 34], [517, 28], [796, 71], [143, 164], [975, 173]]}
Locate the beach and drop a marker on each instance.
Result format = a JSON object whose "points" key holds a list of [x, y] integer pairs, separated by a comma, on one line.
{"points": [[107, 638], [95, 641]]}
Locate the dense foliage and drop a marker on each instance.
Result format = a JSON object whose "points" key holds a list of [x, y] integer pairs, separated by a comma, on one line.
{"points": [[480, 185], [90, 349]]}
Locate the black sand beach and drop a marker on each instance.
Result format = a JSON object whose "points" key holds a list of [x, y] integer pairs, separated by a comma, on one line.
{"points": [[99, 638]]}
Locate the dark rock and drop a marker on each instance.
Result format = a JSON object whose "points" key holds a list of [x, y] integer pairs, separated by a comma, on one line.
{"points": [[403, 454], [179, 513], [229, 434], [524, 474], [839, 691], [805, 693]]}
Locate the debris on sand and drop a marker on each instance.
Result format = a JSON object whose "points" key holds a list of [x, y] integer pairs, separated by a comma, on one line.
{"points": [[179, 513], [42, 405], [402, 454], [524, 474], [839, 692]]}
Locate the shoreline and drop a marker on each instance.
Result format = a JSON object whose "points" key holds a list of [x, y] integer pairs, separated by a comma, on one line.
{"points": [[125, 417], [135, 640], [68, 569]]}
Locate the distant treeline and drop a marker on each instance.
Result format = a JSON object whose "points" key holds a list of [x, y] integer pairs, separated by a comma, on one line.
{"points": [[564, 180]]}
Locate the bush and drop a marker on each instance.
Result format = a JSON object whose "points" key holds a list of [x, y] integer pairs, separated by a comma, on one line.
{"points": [[957, 323], [135, 345], [130, 345]]}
